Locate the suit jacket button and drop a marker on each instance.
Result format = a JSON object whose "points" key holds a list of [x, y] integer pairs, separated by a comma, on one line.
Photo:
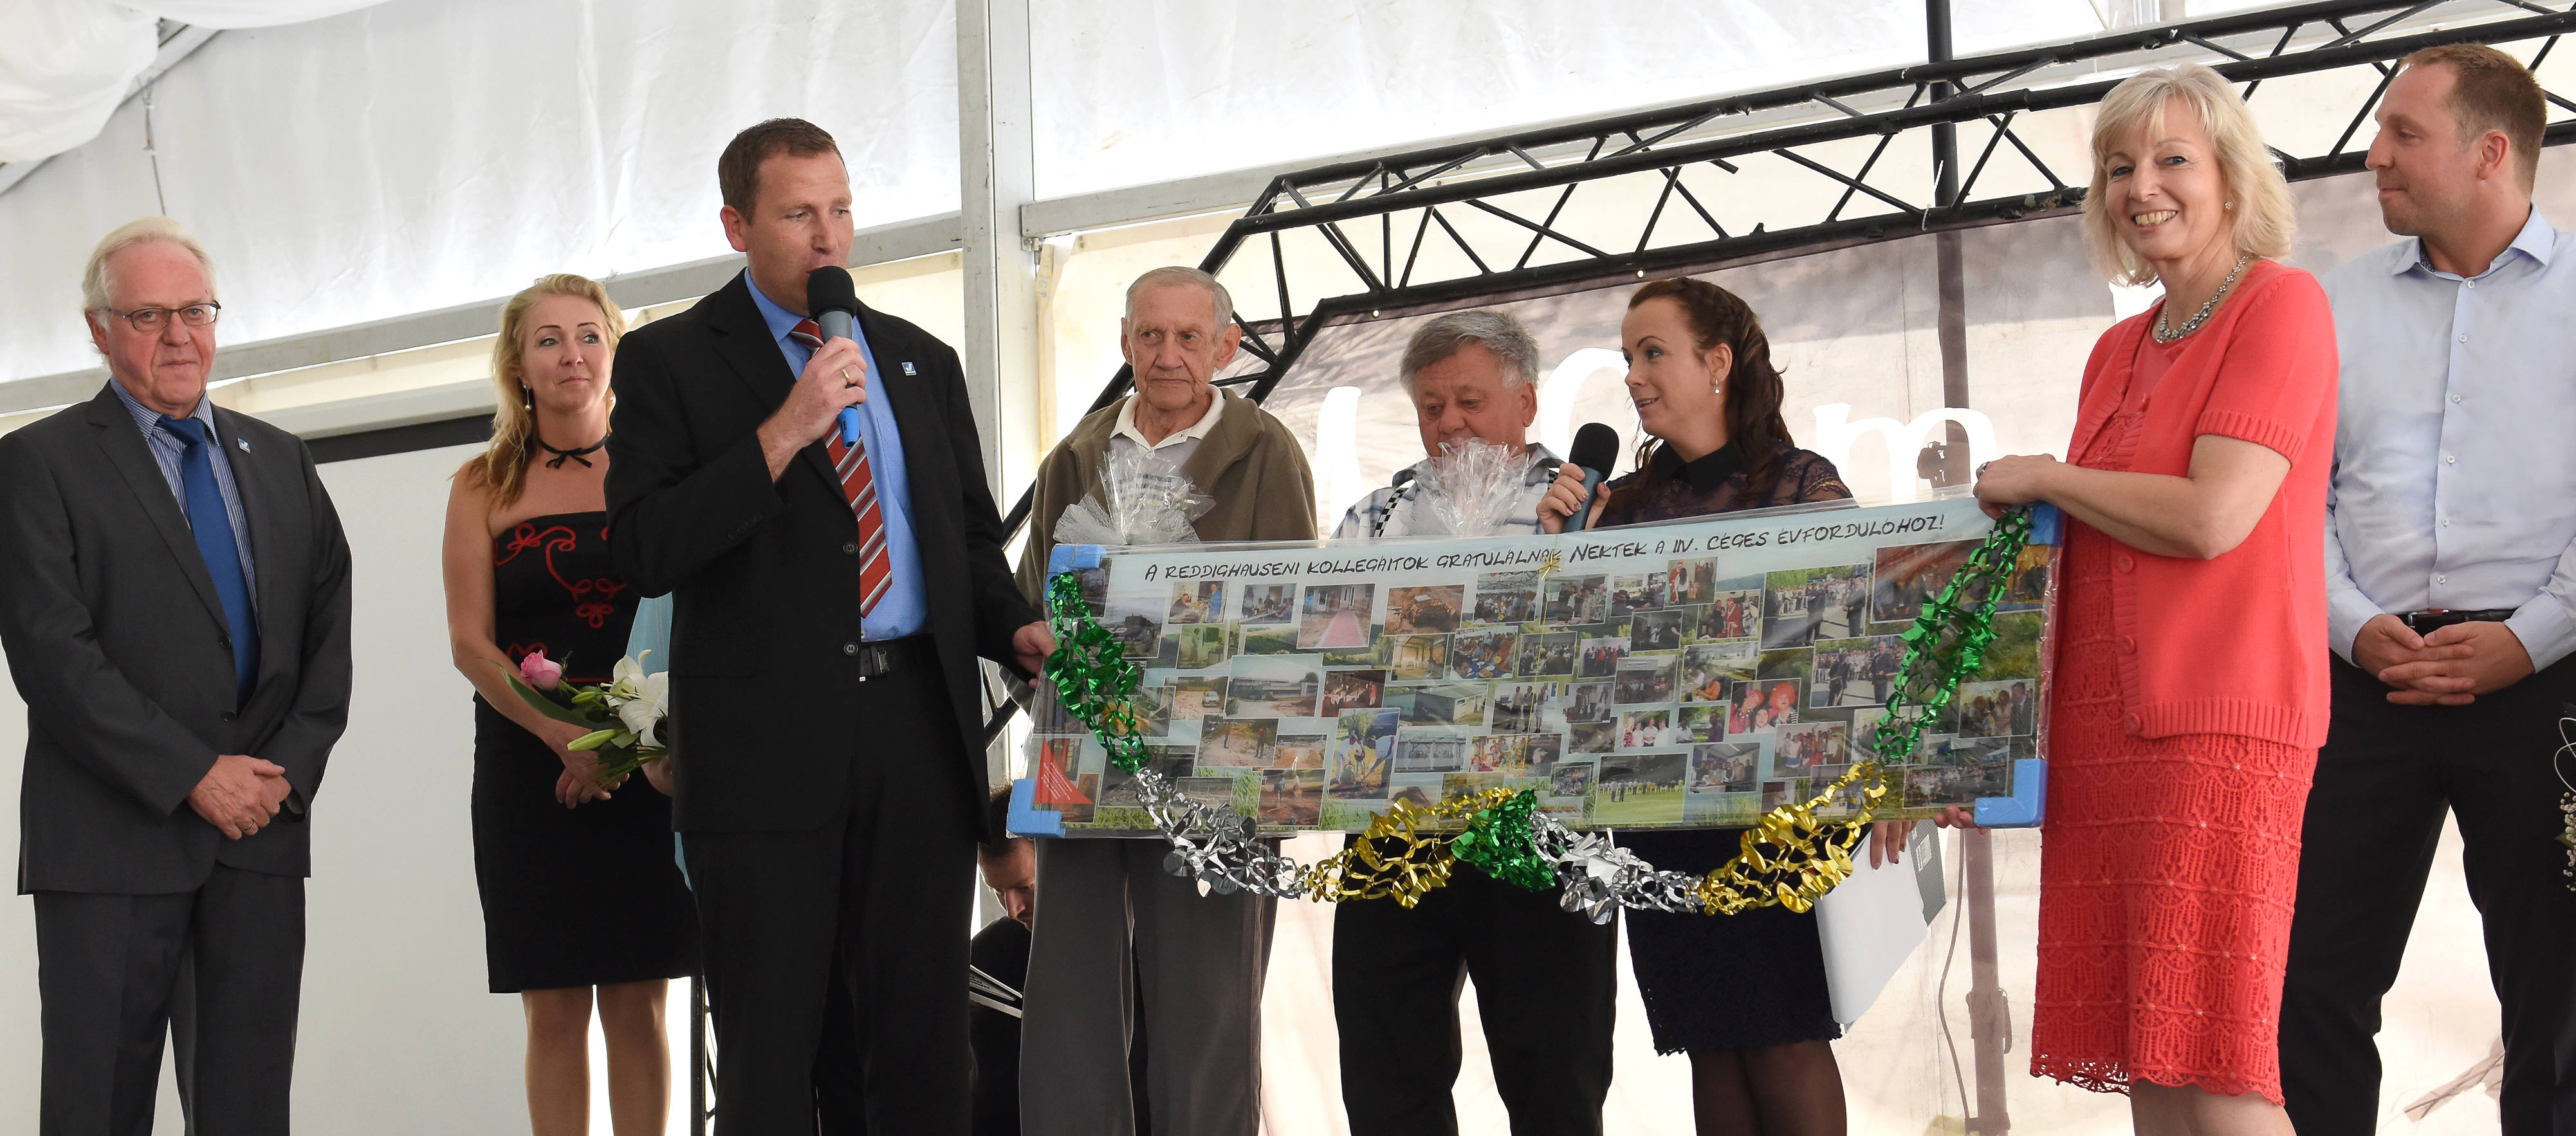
{"points": [[852, 548], [228, 715], [224, 641], [849, 648]]}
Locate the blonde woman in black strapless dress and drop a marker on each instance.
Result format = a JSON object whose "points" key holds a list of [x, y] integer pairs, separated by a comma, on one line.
{"points": [[582, 904]]}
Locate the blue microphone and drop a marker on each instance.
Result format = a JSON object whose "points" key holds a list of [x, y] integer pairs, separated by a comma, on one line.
{"points": [[833, 300], [1595, 450]]}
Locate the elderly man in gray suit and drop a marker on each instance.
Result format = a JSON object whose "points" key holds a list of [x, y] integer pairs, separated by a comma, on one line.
{"points": [[174, 601]]}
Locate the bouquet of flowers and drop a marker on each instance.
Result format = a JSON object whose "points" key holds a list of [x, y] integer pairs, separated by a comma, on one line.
{"points": [[624, 716]]}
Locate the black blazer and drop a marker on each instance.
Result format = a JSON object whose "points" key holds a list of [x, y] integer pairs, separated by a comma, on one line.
{"points": [[117, 641], [764, 576]]}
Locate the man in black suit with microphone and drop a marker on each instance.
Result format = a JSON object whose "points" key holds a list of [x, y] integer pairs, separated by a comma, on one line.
{"points": [[174, 598], [830, 602]]}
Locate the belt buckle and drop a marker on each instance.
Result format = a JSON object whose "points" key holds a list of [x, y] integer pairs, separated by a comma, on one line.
{"points": [[2431, 619], [877, 659]]}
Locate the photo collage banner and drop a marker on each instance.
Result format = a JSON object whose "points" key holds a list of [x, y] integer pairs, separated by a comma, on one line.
{"points": [[1684, 675]]}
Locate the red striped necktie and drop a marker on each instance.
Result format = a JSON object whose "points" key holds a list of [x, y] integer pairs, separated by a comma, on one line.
{"points": [[859, 487]]}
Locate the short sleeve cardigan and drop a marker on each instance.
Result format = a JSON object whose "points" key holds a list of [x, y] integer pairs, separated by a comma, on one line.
{"points": [[2235, 644]]}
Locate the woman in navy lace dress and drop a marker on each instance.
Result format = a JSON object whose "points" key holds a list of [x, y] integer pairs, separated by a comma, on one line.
{"points": [[1744, 995], [582, 903]]}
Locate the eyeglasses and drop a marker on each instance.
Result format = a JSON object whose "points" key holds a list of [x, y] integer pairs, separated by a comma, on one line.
{"points": [[149, 320]]}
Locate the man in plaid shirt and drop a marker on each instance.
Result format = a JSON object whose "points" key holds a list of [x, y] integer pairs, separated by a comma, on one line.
{"points": [[1471, 375], [1397, 972]]}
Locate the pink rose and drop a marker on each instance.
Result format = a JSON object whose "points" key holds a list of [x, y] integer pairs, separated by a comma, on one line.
{"points": [[537, 671]]}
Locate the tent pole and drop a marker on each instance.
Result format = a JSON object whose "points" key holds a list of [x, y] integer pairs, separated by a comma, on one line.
{"points": [[700, 1071], [1989, 1018], [1989, 1027], [1945, 463], [996, 161], [997, 170]]}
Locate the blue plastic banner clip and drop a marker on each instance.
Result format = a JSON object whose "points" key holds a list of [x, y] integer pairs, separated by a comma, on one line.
{"points": [[2028, 805], [1026, 818]]}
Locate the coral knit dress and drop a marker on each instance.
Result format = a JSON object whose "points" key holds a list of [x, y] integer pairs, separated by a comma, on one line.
{"points": [[2168, 866]]}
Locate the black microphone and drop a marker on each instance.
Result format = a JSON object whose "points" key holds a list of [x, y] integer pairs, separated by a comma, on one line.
{"points": [[1596, 449], [833, 301]]}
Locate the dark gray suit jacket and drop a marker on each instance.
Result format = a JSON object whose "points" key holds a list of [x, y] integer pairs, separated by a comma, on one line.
{"points": [[117, 641]]}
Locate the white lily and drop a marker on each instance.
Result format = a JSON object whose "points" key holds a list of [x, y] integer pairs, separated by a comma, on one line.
{"points": [[642, 712], [638, 698], [626, 678]]}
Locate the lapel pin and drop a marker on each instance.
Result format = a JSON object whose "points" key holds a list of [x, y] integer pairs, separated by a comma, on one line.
{"points": [[907, 367], [244, 443]]}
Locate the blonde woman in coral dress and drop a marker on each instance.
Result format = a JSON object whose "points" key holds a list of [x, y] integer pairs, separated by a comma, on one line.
{"points": [[2191, 684]]}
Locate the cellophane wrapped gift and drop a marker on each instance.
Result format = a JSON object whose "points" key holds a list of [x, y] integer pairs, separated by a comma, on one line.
{"points": [[1472, 488], [1143, 498]]}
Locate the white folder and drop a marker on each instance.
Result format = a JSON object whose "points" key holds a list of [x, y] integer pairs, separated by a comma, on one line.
{"points": [[1871, 924]]}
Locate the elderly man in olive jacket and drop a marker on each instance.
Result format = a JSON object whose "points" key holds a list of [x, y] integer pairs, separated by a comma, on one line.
{"points": [[1200, 958]]}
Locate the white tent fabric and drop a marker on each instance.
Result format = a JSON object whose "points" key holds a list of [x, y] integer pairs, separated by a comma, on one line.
{"points": [[418, 154], [1132, 94], [64, 64]]}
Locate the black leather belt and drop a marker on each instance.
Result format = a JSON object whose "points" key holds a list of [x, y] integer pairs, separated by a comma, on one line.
{"points": [[886, 656], [2431, 619]]}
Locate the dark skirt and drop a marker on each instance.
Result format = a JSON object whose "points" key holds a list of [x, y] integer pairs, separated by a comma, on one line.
{"points": [[572, 897], [1724, 981]]}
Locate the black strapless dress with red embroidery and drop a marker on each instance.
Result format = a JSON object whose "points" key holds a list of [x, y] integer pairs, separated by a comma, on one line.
{"points": [[571, 897]]}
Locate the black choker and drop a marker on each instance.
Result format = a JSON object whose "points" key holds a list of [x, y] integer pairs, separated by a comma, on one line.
{"points": [[575, 455]]}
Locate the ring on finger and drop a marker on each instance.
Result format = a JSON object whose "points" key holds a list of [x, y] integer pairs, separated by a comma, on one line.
{"points": [[845, 378]]}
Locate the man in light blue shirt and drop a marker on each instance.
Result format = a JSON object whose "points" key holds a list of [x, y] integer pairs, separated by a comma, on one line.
{"points": [[2451, 596], [829, 609], [901, 610]]}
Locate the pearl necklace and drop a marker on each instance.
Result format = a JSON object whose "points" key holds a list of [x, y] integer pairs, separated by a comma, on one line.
{"points": [[2166, 334]]}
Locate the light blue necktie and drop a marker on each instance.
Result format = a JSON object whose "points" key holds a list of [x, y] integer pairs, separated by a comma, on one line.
{"points": [[214, 531]]}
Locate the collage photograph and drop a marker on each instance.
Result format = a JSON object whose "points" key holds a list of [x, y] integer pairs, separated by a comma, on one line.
{"points": [[1668, 682]]}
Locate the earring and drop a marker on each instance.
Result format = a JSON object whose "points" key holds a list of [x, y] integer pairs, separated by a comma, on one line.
{"points": [[528, 397], [2231, 205]]}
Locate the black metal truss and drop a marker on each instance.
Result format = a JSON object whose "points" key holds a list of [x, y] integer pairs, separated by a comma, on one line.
{"points": [[1379, 217], [1864, 202]]}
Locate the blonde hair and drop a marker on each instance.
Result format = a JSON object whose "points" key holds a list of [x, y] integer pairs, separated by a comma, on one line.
{"points": [[97, 282], [503, 466], [2259, 198]]}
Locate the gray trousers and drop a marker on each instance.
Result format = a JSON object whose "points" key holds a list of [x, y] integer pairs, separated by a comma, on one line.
{"points": [[1200, 960], [220, 969]]}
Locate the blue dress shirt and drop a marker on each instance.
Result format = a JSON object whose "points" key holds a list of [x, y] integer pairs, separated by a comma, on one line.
{"points": [[903, 609], [2455, 442], [166, 453]]}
